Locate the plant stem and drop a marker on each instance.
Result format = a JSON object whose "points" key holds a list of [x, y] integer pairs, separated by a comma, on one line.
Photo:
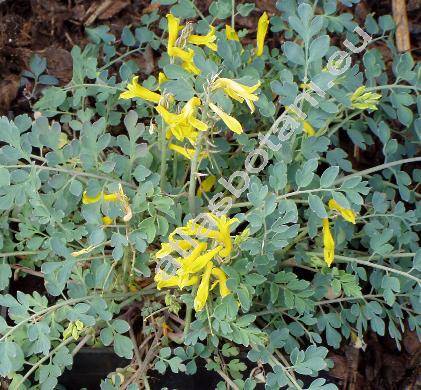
{"points": [[20, 253], [192, 207], [347, 259], [193, 170], [42, 360], [163, 145], [71, 172], [325, 302], [392, 86], [233, 14], [224, 376], [378, 168], [68, 302]]}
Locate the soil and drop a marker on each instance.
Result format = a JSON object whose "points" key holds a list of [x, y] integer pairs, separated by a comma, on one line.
{"points": [[52, 27]]}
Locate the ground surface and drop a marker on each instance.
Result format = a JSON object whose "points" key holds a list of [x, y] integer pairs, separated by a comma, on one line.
{"points": [[51, 27]]}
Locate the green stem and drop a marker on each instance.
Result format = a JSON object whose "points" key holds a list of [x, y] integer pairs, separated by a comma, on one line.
{"points": [[233, 14], [42, 360], [69, 87], [163, 170], [68, 302], [340, 124], [392, 86], [378, 168], [119, 58], [70, 172], [326, 302], [198, 11], [193, 170], [346, 259], [20, 253]]}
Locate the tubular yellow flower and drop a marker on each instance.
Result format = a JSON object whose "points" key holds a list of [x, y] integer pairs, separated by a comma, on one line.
{"points": [[347, 214], [101, 196], [222, 281], [195, 253], [329, 244], [135, 90], [237, 91], [365, 100], [206, 40], [186, 152], [162, 78], [111, 197], [201, 261], [231, 34], [184, 55], [182, 125], [206, 185], [106, 220], [173, 27], [262, 29], [181, 132], [169, 247], [163, 280], [203, 290], [308, 129], [230, 121], [91, 199], [189, 112], [223, 236]]}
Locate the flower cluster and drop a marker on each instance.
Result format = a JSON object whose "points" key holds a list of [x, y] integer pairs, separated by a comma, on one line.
{"points": [[201, 251], [363, 100], [185, 124]]}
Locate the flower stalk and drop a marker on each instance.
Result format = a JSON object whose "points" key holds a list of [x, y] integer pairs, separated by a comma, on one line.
{"points": [[194, 163]]}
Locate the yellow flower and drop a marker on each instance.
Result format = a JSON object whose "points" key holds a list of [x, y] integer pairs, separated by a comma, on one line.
{"points": [[162, 78], [189, 113], [86, 199], [206, 185], [223, 224], [187, 57], [135, 90], [169, 247], [101, 196], [182, 125], [230, 121], [206, 40], [163, 280], [173, 27], [237, 91], [364, 100], [262, 29], [329, 244], [186, 152], [308, 129], [183, 131], [111, 197], [203, 290], [231, 34], [106, 220], [119, 196], [347, 214], [200, 262], [222, 281]]}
